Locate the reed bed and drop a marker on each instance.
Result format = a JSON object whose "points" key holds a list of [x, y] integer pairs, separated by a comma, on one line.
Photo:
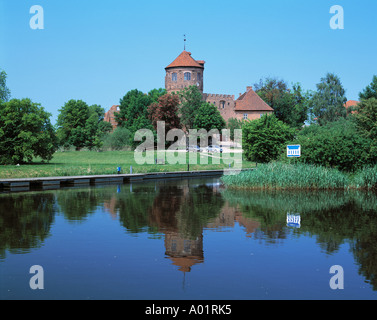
{"points": [[366, 178], [281, 176]]}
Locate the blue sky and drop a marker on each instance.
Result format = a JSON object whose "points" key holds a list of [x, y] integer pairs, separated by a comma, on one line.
{"points": [[98, 50]]}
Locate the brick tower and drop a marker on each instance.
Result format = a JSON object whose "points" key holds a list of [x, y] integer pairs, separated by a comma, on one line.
{"points": [[183, 72]]}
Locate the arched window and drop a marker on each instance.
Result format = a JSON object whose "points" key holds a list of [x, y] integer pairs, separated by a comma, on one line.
{"points": [[174, 77], [199, 77], [187, 76]]}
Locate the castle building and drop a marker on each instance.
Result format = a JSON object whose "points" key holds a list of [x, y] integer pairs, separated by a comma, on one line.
{"points": [[185, 71], [110, 117]]}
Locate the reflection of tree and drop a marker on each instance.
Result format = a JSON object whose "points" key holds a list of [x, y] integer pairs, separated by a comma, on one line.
{"points": [[333, 218], [364, 247], [77, 204], [25, 221], [365, 252], [133, 207]]}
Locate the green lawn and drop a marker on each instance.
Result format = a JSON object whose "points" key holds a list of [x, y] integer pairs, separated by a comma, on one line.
{"points": [[76, 163]]}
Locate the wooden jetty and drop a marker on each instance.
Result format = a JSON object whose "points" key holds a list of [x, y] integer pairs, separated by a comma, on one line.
{"points": [[48, 183]]}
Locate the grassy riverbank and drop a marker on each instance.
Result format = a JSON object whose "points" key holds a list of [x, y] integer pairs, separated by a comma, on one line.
{"points": [[301, 176], [78, 163]]}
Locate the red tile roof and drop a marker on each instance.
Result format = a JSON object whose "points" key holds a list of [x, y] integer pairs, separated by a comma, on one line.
{"points": [[185, 60], [351, 103], [250, 101]]}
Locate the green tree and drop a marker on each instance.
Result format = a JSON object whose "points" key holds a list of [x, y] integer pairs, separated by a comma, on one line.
{"points": [[25, 132], [366, 122], [264, 138], [4, 91], [191, 100], [208, 117], [232, 125], [140, 124], [155, 94], [134, 105], [71, 124], [96, 127], [271, 90], [370, 91], [290, 105], [80, 125], [328, 101], [133, 111]]}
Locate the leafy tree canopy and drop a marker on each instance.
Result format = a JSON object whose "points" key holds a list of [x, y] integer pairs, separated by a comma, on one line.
{"points": [[135, 105], [328, 101], [25, 132], [366, 121], [81, 125], [4, 91], [264, 138], [370, 91], [191, 100], [290, 105], [208, 117]]}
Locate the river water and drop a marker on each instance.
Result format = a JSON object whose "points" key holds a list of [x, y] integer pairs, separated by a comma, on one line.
{"points": [[187, 239]]}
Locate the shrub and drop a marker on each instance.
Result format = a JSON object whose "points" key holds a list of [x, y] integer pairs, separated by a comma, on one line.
{"points": [[336, 145], [120, 139], [263, 139]]}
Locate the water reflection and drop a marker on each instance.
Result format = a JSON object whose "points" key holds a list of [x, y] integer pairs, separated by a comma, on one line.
{"points": [[180, 211], [333, 218], [25, 221]]}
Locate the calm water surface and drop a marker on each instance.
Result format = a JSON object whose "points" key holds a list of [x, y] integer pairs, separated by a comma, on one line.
{"points": [[187, 239]]}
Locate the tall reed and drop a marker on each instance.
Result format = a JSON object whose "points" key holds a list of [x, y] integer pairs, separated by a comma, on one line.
{"points": [[288, 177], [366, 178]]}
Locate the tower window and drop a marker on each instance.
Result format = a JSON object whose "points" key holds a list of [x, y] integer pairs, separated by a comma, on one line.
{"points": [[199, 77], [174, 77], [222, 104], [187, 76]]}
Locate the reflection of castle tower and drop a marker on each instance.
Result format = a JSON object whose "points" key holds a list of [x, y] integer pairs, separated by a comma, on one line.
{"points": [[184, 252], [171, 214]]}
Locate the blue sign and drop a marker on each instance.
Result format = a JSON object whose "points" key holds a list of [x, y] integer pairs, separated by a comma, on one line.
{"points": [[294, 151]]}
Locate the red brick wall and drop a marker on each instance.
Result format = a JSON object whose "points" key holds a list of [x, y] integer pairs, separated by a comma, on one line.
{"points": [[173, 86], [110, 117]]}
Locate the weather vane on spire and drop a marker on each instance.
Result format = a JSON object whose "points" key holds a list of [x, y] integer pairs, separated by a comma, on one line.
{"points": [[184, 42]]}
